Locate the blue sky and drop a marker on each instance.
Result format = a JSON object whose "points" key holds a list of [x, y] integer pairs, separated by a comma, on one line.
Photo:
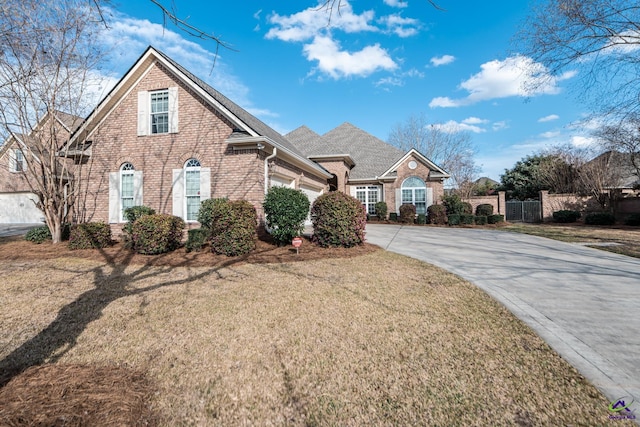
{"points": [[374, 64]]}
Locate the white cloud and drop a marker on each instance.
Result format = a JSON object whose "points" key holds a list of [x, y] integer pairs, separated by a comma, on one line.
{"points": [[310, 22], [550, 134], [437, 61], [474, 121], [548, 118], [338, 63], [389, 81], [402, 27], [583, 141], [515, 76], [467, 125], [499, 125], [396, 3]]}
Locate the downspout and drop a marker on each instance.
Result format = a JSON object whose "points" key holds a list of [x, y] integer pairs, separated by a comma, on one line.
{"points": [[266, 169]]}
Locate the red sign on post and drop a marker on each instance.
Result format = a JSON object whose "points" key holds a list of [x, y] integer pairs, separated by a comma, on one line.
{"points": [[297, 242]]}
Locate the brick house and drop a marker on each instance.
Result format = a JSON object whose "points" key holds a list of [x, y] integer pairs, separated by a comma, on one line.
{"points": [[163, 138], [372, 170], [17, 180]]}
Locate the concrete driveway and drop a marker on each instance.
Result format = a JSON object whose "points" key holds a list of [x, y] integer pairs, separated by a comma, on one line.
{"points": [[16, 229], [584, 302]]}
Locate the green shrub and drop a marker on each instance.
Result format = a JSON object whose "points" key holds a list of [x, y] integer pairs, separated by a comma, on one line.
{"points": [[453, 204], [566, 216], [90, 235], [38, 234], [157, 233], [131, 215], [381, 210], [196, 240], [232, 226], [481, 219], [338, 220], [466, 219], [407, 213], [285, 210], [484, 209], [600, 218], [632, 219], [422, 219], [467, 208], [495, 219], [453, 219], [437, 214], [393, 216]]}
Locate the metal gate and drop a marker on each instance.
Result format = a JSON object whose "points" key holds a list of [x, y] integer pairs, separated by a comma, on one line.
{"points": [[527, 211]]}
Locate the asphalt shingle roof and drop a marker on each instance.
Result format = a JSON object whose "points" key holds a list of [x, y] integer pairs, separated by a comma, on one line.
{"points": [[372, 156]]}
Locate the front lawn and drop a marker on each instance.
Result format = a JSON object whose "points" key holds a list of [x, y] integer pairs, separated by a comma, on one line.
{"points": [[375, 339]]}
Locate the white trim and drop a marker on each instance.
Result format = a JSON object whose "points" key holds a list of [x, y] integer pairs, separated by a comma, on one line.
{"points": [[177, 192], [143, 113], [424, 160], [173, 110]]}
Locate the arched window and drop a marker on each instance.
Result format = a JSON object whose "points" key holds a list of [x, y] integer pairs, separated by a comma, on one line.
{"points": [[414, 191], [127, 196], [192, 189]]}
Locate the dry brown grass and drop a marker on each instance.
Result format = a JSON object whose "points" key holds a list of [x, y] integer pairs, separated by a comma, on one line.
{"points": [[625, 240], [377, 339]]}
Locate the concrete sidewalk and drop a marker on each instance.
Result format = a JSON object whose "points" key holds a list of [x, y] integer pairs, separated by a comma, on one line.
{"points": [[16, 229], [584, 302]]}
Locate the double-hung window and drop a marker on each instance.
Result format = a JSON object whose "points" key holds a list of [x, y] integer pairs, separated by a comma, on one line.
{"points": [[192, 189], [18, 163], [368, 196], [160, 111], [127, 194]]}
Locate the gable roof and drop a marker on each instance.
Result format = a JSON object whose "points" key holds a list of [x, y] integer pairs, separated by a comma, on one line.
{"points": [[247, 125], [373, 157]]}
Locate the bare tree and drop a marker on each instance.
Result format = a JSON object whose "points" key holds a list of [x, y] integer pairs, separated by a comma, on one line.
{"points": [[453, 151], [598, 38], [624, 138], [47, 55]]}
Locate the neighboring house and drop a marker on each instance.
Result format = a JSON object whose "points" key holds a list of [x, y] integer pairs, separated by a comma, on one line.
{"points": [[620, 173], [17, 200], [163, 138], [372, 170]]}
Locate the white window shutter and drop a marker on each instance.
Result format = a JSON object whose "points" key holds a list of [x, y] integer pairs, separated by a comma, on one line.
{"points": [[173, 110], [177, 190], [143, 113], [205, 183], [352, 190], [12, 161], [114, 197], [398, 200], [429, 196], [137, 188]]}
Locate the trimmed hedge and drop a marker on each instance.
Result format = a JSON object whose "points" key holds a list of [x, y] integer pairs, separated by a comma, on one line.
{"points": [[484, 209], [453, 204], [466, 219], [393, 216], [481, 219], [600, 218], [157, 233], [566, 216], [381, 210], [338, 220], [495, 219], [90, 235], [437, 214], [197, 239], [453, 219], [422, 219], [407, 213], [131, 215], [232, 226], [285, 210], [633, 219]]}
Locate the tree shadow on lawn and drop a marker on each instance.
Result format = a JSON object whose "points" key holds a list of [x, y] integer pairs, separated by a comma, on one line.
{"points": [[61, 335]]}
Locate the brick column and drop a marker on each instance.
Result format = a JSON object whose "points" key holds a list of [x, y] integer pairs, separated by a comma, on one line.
{"points": [[502, 203], [545, 207]]}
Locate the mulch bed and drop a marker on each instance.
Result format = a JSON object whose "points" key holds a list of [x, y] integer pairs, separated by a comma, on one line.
{"points": [[77, 395], [16, 248]]}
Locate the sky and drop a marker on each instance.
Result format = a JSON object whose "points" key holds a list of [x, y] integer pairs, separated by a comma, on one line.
{"points": [[372, 63]]}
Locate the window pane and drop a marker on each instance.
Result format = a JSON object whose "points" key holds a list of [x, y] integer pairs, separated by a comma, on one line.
{"points": [[192, 186], [407, 196], [127, 186], [421, 208], [160, 102], [160, 123], [413, 182], [193, 206], [421, 195], [361, 195]]}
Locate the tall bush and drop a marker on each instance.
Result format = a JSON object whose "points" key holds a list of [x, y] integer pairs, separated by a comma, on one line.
{"points": [[453, 204], [437, 214], [484, 209], [232, 225], [338, 220], [407, 213], [90, 235], [157, 233], [131, 215], [285, 210], [381, 210]]}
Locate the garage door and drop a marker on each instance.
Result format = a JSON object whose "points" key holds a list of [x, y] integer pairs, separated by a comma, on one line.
{"points": [[312, 193], [19, 208], [277, 181]]}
